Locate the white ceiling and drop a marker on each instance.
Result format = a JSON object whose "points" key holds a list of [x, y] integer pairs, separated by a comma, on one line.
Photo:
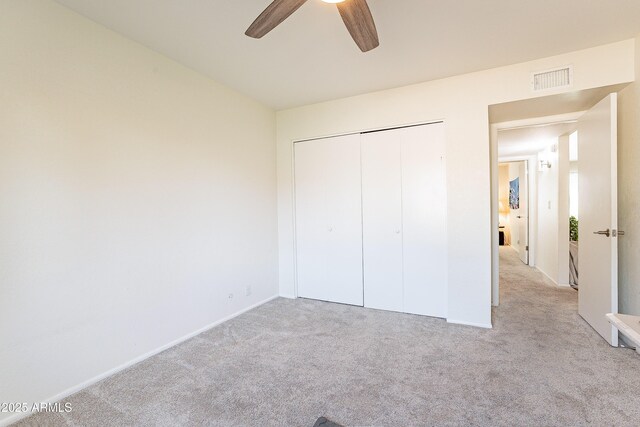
{"points": [[530, 140], [311, 57]]}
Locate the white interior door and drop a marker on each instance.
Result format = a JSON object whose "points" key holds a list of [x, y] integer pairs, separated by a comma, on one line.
{"points": [[519, 209], [329, 220], [523, 215], [382, 220], [598, 207], [514, 225], [424, 220]]}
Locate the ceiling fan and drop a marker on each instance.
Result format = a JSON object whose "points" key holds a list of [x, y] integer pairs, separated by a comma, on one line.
{"points": [[355, 14]]}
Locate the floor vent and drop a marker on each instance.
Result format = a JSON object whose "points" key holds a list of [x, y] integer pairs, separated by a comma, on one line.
{"points": [[552, 79]]}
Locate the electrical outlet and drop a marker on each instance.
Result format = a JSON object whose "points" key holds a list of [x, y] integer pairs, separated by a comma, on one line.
{"points": [[248, 290], [230, 296]]}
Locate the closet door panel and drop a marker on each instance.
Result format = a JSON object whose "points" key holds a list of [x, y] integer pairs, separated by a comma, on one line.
{"points": [[311, 219], [344, 202], [329, 219], [424, 220], [382, 220]]}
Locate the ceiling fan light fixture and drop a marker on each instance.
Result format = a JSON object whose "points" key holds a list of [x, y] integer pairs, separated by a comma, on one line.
{"points": [[355, 15]]}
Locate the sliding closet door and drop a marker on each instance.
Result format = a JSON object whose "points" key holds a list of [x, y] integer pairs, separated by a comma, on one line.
{"points": [[404, 220], [382, 220], [424, 219], [329, 219]]}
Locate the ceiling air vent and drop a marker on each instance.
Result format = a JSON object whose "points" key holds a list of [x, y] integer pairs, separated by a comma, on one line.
{"points": [[552, 79]]}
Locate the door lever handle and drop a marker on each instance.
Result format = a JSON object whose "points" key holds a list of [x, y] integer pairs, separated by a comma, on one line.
{"points": [[606, 232]]}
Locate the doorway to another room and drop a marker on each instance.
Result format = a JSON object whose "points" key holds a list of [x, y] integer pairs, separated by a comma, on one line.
{"points": [[533, 195], [513, 205], [558, 217]]}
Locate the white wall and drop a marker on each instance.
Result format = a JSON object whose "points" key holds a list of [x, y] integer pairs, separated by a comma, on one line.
{"points": [[629, 193], [135, 196], [563, 210], [462, 102], [547, 258]]}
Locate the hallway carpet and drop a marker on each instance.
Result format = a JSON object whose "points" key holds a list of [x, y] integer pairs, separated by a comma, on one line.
{"points": [[289, 362]]}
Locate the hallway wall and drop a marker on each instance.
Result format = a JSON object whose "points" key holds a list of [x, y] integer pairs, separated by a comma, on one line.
{"points": [[548, 214], [553, 212], [563, 210]]}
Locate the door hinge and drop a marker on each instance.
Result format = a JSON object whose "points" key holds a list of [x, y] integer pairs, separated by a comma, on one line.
{"points": [[526, 248]]}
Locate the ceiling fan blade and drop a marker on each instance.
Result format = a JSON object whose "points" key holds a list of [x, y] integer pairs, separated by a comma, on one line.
{"points": [[272, 16], [359, 21]]}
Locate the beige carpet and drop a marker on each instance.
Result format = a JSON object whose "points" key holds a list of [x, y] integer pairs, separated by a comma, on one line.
{"points": [[289, 362]]}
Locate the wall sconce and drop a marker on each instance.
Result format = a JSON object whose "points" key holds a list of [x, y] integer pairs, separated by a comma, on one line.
{"points": [[544, 164]]}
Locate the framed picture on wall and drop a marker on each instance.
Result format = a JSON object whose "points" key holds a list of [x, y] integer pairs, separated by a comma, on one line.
{"points": [[514, 194]]}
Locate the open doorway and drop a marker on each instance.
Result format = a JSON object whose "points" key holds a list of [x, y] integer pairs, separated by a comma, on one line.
{"points": [[513, 207], [571, 205], [533, 199], [534, 176]]}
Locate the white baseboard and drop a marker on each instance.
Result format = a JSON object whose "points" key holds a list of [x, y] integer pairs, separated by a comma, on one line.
{"points": [[75, 389], [547, 276], [288, 296], [560, 285], [465, 323]]}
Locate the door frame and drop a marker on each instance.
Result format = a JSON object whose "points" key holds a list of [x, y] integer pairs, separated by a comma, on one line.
{"points": [[533, 205]]}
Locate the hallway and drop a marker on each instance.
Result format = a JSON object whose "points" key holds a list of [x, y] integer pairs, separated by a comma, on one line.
{"points": [[570, 369], [526, 288]]}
